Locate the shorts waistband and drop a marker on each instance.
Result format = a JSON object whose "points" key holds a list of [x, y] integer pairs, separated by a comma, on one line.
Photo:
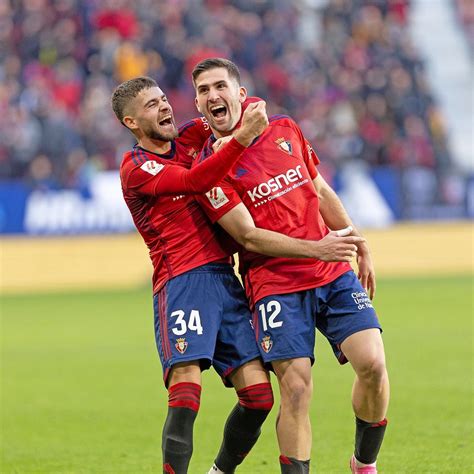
{"points": [[213, 268]]}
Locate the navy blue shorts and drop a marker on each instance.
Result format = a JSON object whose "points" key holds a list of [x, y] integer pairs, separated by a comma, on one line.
{"points": [[203, 315], [285, 324]]}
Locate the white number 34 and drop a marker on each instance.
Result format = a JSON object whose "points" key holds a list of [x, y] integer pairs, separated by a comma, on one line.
{"points": [[181, 326]]}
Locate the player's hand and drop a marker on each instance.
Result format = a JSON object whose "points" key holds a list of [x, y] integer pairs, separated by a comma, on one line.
{"points": [[254, 122], [338, 246], [366, 273], [220, 142]]}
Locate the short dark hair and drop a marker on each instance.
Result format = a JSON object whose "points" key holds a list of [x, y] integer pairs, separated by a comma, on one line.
{"points": [[129, 90], [212, 63]]}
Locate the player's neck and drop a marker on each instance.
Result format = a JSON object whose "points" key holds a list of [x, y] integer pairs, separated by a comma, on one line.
{"points": [[155, 146], [218, 134]]}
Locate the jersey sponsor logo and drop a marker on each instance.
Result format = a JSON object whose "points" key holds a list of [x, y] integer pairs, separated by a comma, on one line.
{"points": [[266, 344], [181, 345], [152, 167], [217, 197], [275, 184], [284, 145]]}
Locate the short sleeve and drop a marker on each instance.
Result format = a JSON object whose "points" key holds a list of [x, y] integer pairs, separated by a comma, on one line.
{"points": [[311, 159], [217, 202]]}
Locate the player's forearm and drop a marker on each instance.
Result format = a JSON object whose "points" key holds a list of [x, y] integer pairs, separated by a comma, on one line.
{"points": [[274, 244], [207, 174], [335, 216]]}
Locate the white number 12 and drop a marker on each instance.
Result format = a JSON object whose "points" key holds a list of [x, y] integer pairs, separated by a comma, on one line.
{"points": [[274, 306]]}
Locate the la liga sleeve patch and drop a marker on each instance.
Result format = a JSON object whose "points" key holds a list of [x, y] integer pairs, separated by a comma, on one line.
{"points": [[152, 167], [217, 197]]}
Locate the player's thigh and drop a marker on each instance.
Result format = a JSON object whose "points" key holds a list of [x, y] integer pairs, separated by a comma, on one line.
{"points": [[187, 318], [185, 372], [365, 350], [284, 326], [342, 310], [235, 345], [294, 375]]}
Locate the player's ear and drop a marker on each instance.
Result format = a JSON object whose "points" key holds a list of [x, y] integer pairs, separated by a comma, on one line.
{"points": [[242, 94], [196, 103], [130, 122]]}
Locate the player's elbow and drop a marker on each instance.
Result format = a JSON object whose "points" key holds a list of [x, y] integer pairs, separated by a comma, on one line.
{"points": [[249, 241]]}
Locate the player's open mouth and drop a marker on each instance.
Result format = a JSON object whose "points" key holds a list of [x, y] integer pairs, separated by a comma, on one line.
{"points": [[166, 121], [219, 111]]}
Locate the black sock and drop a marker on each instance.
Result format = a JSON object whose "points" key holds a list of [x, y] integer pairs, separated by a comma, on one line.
{"points": [[368, 439], [242, 428], [293, 466], [241, 432], [177, 440]]}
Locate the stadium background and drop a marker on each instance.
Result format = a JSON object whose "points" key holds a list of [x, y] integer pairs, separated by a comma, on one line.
{"points": [[387, 105]]}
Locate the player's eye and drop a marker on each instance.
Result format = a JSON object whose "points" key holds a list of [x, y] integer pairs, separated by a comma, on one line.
{"points": [[164, 99]]}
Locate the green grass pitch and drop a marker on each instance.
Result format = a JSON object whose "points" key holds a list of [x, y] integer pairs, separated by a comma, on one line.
{"points": [[81, 388]]}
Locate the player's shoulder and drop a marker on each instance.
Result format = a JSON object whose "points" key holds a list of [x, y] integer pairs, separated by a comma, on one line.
{"points": [[195, 125], [137, 158], [132, 159], [281, 120], [206, 150]]}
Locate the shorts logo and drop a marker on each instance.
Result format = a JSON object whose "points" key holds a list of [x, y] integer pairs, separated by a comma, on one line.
{"points": [[181, 345], [267, 344], [361, 300], [284, 145], [217, 197], [152, 167]]}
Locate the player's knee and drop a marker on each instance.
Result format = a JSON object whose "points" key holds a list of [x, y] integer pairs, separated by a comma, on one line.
{"points": [[256, 397], [373, 372], [297, 394]]}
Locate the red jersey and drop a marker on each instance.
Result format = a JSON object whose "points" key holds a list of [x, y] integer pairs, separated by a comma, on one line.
{"points": [[273, 179], [178, 234]]}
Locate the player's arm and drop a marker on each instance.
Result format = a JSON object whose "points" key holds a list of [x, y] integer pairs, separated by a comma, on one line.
{"points": [[167, 179], [336, 217], [239, 223]]}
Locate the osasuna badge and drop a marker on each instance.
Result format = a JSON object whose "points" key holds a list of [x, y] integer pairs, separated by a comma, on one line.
{"points": [[216, 197], [152, 167], [284, 145], [266, 344], [181, 345]]}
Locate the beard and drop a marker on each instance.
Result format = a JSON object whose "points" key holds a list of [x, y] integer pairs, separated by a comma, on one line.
{"points": [[154, 134]]}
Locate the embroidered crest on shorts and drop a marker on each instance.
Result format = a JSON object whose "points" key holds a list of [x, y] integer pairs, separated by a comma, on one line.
{"points": [[284, 145], [267, 344], [181, 345]]}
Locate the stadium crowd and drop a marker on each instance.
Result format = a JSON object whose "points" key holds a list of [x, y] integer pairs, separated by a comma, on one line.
{"points": [[346, 70]]}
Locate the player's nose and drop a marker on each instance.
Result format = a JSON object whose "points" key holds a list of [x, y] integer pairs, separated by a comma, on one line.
{"points": [[213, 95]]}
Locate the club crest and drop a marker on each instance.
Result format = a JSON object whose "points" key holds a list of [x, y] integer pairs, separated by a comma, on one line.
{"points": [[181, 345], [284, 145], [267, 344]]}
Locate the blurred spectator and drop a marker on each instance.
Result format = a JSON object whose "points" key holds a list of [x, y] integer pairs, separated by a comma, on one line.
{"points": [[359, 93]]}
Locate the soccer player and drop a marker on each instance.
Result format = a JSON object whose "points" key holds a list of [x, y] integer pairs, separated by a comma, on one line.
{"points": [[201, 313], [276, 185]]}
